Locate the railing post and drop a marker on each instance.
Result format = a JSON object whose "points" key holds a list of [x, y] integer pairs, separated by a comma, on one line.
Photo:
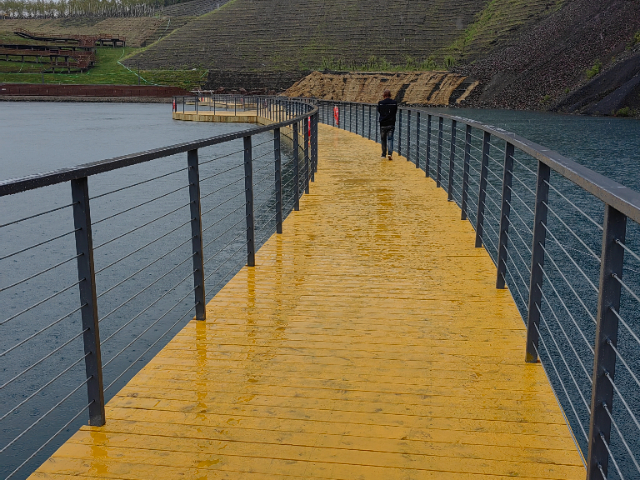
{"points": [[356, 119], [278, 165], [314, 147], [452, 158], [88, 300], [418, 140], [196, 234], [537, 261], [248, 188], [465, 172], [307, 172], [369, 122], [408, 135], [428, 157], [604, 365], [296, 169], [503, 243], [439, 160], [399, 132], [377, 127], [482, 191]]}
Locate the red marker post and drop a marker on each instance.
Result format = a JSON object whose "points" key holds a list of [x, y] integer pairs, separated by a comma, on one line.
{"points": [[336, 115]]}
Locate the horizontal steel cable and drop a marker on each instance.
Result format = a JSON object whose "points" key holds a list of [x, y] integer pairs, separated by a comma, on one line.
{"points": [[526, 187], [241, 179], [573, 408], [489, 213], [139, 183], [221, 219], [62, 429], [42, 301], [628, 250], [221, 235], [151, 325], [30, 367], [564, 360], [222, 203], [143, 247], [228, 258], [44, 386], [584, 368], [524, 166], [523, 203], [565, 307], [222, 156], [626, 325], [10, 349], [626, 287], [145, 267], [574, 205], [613, 459], [522, 221], [553, 237], [240, 165], [140, 205], [624, 441], [164, 275], [39, 273], [515, 284], [39, 244], [604, 477], [44, 416], [624, 362], [154, 343], [37, 215], [524, 282], [624, 402], [269, 220], [570, 230], [593, 318], [238, 236], [141, 226]]}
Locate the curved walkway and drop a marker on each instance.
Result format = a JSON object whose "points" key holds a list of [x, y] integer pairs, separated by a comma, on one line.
{"points": [[369, 342]]}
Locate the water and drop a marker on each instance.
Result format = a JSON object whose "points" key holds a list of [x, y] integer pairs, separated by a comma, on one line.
{"points": [[40, 137], [143, 278]]}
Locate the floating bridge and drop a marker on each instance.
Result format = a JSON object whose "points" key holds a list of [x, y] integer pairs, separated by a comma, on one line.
{"points": [[366, 337]]}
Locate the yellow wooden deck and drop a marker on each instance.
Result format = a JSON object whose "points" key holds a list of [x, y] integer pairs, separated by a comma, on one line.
{"points": [[368, 343]]}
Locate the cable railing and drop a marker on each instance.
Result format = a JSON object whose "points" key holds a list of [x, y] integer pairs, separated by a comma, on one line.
{"points": [[566, 242], [93, 287]]}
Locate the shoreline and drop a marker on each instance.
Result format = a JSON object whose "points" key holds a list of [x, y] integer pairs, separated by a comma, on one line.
{"points": [[65, 98]]}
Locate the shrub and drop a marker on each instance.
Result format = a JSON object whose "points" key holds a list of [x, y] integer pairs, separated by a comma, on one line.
{"points": [[595, 69], [449, 62], [625, 112]]}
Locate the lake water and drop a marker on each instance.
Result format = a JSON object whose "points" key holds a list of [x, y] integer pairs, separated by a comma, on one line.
{"points": [[41, 137]]}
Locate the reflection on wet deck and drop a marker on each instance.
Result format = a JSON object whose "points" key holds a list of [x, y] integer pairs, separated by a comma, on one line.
{"points": [[368, 342]]}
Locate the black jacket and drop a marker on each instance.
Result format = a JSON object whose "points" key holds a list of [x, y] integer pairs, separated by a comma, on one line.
{"points": [[387, 109]]}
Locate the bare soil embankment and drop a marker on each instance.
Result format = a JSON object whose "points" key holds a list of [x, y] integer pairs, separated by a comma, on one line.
{"points": [[416, 88]]}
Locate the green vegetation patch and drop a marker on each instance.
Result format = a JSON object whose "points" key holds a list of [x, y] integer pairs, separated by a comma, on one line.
{"points": [[108, 71], [595, 69]]}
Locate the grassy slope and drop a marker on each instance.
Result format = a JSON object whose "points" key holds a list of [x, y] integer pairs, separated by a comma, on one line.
{"points": [[496, 23], [107, 72], [280, 36]]}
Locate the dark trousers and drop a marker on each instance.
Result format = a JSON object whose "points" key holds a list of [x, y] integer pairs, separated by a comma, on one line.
{"points": [[386, 139]]}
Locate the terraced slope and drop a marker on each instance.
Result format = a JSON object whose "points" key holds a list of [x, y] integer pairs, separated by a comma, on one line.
{"points": [[498, 22], [283, 39], [193, 8]]}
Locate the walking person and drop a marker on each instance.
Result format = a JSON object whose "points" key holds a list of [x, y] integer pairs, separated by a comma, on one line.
{"points": [[387, 109]]}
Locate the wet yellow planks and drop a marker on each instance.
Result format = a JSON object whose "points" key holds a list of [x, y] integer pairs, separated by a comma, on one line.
{"points": [[368, 343]]}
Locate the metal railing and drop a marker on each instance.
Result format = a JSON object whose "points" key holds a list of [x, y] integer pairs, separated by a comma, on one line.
{"points": [[216, 104], [145, 240], [566, 242]]}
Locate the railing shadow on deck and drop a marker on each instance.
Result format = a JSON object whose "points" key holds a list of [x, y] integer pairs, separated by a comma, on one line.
{"points": [[156, 236], [563, 239]]}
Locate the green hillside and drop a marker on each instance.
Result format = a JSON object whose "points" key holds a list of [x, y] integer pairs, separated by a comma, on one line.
{"points": [[279, 36]]}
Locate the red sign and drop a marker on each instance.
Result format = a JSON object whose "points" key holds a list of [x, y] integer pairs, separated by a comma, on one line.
{"points": [[336, 115]]}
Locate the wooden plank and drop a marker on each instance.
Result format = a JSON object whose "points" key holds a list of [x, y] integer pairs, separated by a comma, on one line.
{"points": [[368, 342]]}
